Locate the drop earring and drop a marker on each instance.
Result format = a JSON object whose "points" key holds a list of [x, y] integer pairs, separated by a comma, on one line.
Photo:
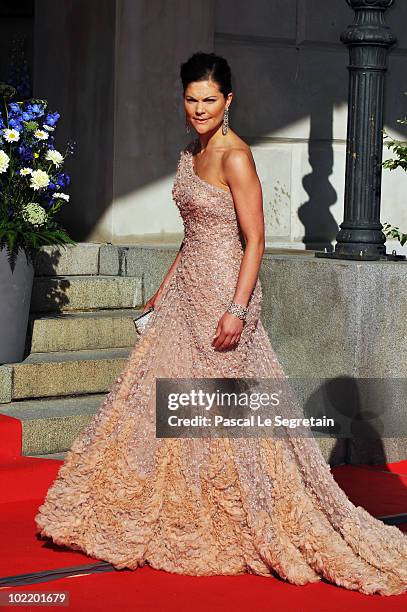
{"points": [[225, 124], [187, 126]]}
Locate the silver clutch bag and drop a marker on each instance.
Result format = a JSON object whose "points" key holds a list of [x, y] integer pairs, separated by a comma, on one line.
{"points": [[141, 320]]}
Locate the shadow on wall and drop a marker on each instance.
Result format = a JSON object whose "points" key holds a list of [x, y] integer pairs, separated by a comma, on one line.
{"points": [[320, 227], [359, 427], [278, 82], [49, 293]]}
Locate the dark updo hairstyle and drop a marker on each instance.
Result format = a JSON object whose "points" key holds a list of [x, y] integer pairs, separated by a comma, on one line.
{"points": [[204, 66]]}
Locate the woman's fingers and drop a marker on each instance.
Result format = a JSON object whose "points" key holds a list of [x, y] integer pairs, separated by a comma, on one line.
{"points": [[226, 335], [224, 341], [219, 337], [217, 334], [235, 340], [218, 340]]}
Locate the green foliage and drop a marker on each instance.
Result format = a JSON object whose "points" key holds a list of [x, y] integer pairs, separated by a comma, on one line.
{"points": [[394, 232], [31, 126], [7, 91], [399, 149]]}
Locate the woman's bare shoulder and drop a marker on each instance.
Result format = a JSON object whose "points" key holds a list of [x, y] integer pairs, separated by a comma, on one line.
{"points": [[237, 152]]}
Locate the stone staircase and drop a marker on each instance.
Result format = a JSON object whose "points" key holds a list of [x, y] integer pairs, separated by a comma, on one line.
{"points": [[80, 335]]}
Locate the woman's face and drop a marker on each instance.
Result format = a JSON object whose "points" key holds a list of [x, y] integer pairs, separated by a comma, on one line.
{"points": [[204, 105]]}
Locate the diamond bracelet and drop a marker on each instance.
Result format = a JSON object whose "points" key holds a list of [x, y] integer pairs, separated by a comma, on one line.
{"points": [[238, 310]]}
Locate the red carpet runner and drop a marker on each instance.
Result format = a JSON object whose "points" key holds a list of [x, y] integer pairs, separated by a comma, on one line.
{"points": [[382, 490]]}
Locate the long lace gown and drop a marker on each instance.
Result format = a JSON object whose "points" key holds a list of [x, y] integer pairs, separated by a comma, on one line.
{"points": [[210, 506]]}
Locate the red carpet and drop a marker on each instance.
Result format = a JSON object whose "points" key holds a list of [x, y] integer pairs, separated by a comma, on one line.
{"points": [[24, 481], [379, 491], [148, 590], [11, 437]]}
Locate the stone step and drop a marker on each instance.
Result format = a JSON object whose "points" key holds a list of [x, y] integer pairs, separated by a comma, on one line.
{"points": [[54, 260], [55, 456], [67, 293], [51, 425], [62, 373], [104, 258], [74, 331]]}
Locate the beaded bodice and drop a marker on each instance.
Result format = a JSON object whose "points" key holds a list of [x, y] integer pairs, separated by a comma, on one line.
{"points": [[207, 211]]}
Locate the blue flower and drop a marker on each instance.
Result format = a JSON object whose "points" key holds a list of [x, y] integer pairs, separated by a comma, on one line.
{"points": [[15, 124], [28, 116], [15, 108], [63, 179], [25, 153], [48, 202], [38, 110], [52, 118], [35, 109]]}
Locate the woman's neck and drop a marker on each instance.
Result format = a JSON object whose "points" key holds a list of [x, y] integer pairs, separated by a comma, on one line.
{"points": [[210, 140]]}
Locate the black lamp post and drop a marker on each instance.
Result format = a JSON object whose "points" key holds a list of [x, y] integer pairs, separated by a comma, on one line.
{"points": [[368, 40]]}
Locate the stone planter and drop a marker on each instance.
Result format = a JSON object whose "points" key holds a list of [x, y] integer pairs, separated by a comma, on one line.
{"points": [[16, 283]]}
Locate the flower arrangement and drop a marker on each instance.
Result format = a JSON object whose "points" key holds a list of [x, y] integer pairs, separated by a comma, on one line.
{"points": [[32, 183]]}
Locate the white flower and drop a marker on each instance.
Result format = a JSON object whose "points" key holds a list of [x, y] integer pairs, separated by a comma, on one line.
{"points": [[4, 161], [49, 128], [25, 171], [41, 135], [39, 179], [54, 156], [11, 135], [34, 214], [63, 196]]}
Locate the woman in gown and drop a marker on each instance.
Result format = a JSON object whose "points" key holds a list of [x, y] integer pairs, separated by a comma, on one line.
{"points": [[212, 506]]}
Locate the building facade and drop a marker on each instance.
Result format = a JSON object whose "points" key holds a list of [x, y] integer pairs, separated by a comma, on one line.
{"points": [[111, 68]]}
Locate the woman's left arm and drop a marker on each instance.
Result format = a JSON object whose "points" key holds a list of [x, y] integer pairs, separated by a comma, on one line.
{"points": [[240, 173]]}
